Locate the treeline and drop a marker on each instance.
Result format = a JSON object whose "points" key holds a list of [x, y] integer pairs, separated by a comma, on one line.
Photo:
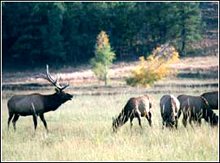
{"points": [[58, 33]]}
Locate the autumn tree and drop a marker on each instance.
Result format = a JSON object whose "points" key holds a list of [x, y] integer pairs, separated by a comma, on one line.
{"points": [[104, 57]]}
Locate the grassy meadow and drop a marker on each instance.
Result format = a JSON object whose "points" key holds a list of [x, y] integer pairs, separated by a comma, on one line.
{"points": [[80, 130]]}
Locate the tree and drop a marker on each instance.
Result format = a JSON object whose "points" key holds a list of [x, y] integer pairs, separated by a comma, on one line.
{"points": [[157, 27], [104, 57], [52, 40], [189, 25], [32, 33], [17, 33]]}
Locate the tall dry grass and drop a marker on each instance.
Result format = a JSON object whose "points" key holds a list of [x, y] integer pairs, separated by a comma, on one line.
{"points": [[80, 130]]}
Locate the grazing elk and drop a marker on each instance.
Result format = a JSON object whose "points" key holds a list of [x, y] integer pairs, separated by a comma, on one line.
{"points": [[37, 104], [135, 107], [212, 99], [196, 108], [169, 106]]}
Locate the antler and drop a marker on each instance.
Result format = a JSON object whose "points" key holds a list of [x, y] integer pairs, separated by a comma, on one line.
{"points": [[49, 78]]}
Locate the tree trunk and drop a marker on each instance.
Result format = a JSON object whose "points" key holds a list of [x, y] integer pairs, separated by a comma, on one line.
{"points": [[106, 77]]}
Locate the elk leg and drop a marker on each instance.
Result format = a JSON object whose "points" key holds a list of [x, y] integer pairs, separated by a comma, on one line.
{"points": [[184, 120], [44, 121], [131, 119], [166, 121], [139, 121], [14, 120], [149, 118], [163, 121], [35, 121], [190, 121], [9, 119], [176, 123], [200, 122]]}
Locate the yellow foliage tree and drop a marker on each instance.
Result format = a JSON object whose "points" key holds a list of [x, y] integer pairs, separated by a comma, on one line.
{"points": [[155, 67], [104, 57]]}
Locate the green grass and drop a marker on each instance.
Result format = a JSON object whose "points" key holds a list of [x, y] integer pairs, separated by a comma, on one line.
{"points": [[80, 130]]}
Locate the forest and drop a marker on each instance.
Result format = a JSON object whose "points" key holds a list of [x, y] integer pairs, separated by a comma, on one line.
{"points": [[64, 33]]}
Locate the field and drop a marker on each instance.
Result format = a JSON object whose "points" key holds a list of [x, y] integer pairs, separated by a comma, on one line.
{"points": [[81, 129]]}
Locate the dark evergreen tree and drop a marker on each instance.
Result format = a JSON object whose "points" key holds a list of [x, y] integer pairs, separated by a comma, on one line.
{"points": [[52, 40], [189, 25]]}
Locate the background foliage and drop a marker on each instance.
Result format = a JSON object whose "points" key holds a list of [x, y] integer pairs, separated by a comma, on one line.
{"points": [[65, 32]]}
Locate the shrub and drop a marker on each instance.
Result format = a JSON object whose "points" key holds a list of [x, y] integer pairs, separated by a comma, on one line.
{"points": [[155, 67]]}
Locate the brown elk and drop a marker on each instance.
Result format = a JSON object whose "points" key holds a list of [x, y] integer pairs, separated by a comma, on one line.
{"points": [[37, 104], [195, 108], [169, 106], [136, 107]]}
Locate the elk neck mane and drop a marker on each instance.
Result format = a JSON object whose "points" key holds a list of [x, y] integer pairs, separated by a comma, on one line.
{"points": [[52, 101]]}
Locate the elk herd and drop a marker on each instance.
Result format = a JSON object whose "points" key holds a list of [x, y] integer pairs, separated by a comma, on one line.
{"points": [[193, 108]]}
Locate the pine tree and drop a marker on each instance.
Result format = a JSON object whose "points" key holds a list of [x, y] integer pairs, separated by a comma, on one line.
{"points": [[104, 57], [32, 33], [52, 40], [189, 25]]}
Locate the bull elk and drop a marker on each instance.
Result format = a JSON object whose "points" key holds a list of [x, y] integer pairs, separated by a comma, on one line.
{"points": [[135, 107], [37, 104]]}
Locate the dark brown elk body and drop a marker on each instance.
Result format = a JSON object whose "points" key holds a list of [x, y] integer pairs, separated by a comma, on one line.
{"points": [[212, 99], [169, 106], [195, 108], [136, 107], [37, 104]]}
